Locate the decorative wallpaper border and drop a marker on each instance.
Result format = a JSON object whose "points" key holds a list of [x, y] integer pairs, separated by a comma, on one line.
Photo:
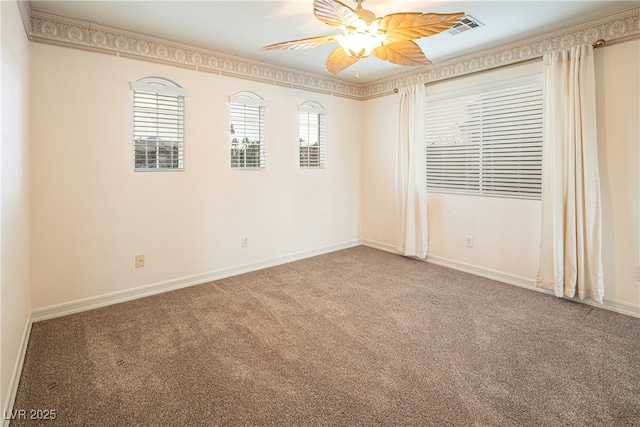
{"points": [[622, 26], [62, 31], [58, 30]]}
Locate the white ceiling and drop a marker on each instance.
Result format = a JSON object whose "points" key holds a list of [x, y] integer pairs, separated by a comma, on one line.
{"points": [[242, 27]]}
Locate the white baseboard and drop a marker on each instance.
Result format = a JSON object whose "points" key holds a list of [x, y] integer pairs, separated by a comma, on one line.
{"points": [[17, 371], [499, 276], [529, 283], [170, 285], [461, 266], [379, 245], [523, 282], [614, 305]]}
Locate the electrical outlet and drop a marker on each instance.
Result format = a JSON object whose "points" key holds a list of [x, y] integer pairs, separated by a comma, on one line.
{"points": [[245, 242], [468, 241], [139, 260]]}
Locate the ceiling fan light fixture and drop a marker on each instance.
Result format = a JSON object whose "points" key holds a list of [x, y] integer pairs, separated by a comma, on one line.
{"points": [[389, 38], [360, 44]]}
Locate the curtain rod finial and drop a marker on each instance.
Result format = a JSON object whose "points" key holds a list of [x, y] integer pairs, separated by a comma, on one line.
{"points": [[599, 43]]}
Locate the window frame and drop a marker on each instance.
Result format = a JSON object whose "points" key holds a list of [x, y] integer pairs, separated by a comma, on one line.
{"points": [[309, 108], [480, 166], [251, 104], [173, 96]]}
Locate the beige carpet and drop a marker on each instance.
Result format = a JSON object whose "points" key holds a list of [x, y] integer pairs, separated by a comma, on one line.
{"points": [[357, 337]]}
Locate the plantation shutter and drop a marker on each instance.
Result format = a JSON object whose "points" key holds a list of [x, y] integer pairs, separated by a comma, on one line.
{"points": [[312, 135], [158, 125], [488, 142], [247, 132]]}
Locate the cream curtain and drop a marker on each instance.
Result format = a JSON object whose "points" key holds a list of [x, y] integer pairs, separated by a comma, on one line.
{"points": [[411, 181], [570, 259]]}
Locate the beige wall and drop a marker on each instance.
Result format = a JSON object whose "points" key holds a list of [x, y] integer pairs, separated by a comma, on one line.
{"points": [[618, 108], [506, 231], [91, 213], [14, 201]]}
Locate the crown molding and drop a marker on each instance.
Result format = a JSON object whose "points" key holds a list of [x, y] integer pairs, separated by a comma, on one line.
{"points": [[58, 30], [68, 32], [25, 14], [616, 28]]}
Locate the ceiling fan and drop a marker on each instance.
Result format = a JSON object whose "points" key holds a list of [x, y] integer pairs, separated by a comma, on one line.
{"points": [[388, 38]]}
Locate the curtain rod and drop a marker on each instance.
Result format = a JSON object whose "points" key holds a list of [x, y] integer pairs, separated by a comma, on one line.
{"points": [[598, 43]]}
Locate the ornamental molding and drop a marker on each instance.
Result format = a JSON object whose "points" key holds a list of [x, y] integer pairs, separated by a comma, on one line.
{"points": [[616, 28], [47, 28], [68, 32]]}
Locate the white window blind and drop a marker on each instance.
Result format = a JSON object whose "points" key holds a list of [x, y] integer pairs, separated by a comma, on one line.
{"points": [[312, 135], [488, 142], [247, 130], [158, 125]]}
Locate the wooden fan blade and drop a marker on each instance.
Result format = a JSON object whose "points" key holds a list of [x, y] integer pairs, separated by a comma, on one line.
{"points": [[334, 13], [302, 43], [401, 52], [338, 61], [410, 26]]}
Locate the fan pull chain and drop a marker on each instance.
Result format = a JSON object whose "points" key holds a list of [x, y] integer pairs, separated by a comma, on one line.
{"points": [[354, 69]]}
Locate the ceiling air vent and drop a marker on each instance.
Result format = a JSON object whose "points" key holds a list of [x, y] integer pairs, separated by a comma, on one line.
{"points": [[467, 23]]}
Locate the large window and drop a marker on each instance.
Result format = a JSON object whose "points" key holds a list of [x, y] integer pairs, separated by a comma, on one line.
{"points": [[247, 132], [158, 125], [312, 134], [487, 142]]}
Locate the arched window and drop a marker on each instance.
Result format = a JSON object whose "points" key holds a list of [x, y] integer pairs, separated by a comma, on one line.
{"points": [[312, 134], [247, 134], [158, 124]]}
